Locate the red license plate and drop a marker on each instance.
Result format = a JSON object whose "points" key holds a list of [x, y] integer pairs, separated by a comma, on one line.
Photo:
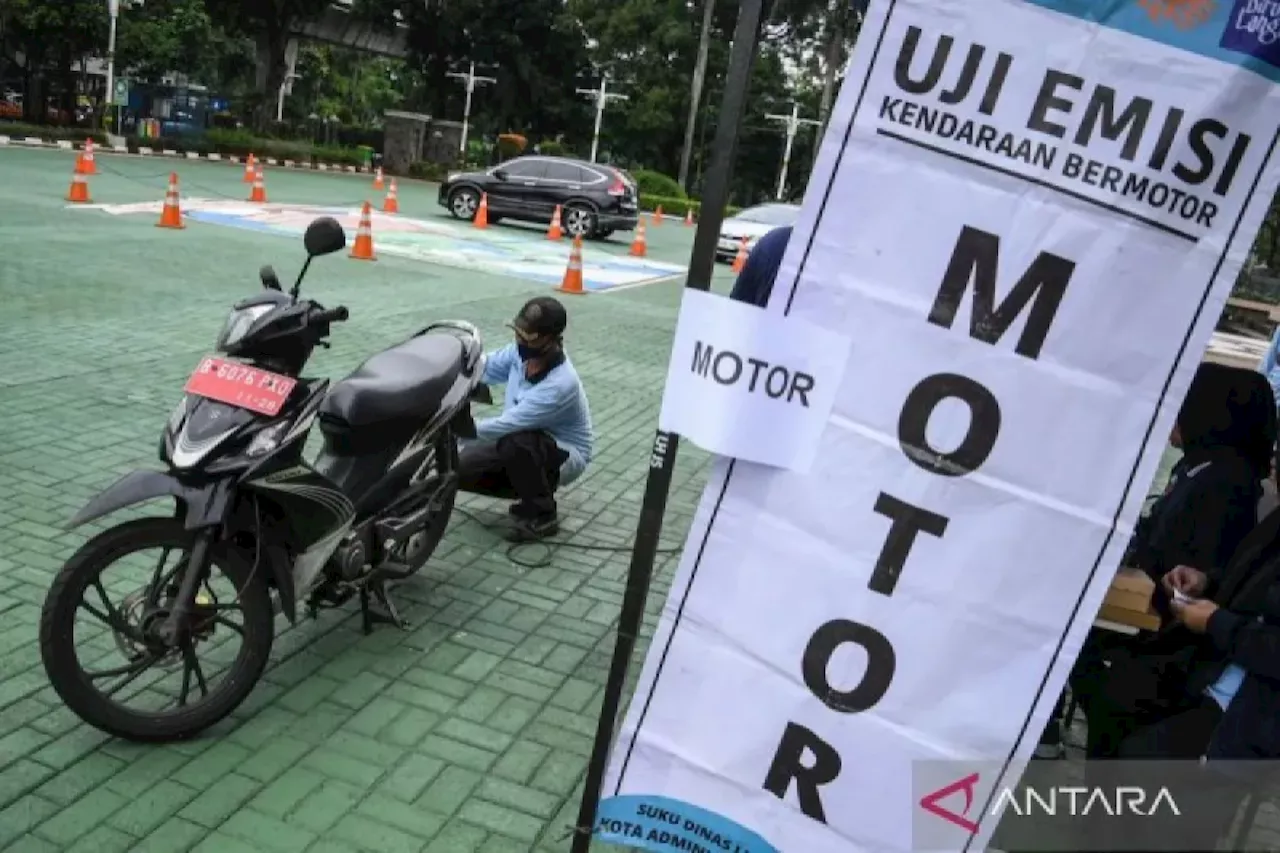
{"points": [[240, 385]]}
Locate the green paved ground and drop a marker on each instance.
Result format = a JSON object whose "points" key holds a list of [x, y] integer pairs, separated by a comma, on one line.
{"points": [[467, 733]]}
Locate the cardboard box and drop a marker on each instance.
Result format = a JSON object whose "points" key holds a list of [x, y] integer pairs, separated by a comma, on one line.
{"points": [[1128, 601]]}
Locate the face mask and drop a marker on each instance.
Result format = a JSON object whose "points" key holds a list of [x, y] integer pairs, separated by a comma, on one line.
{"points": [[527, 352]]}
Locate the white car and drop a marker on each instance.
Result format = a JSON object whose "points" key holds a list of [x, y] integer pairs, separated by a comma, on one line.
{"points": [[753, 223]]}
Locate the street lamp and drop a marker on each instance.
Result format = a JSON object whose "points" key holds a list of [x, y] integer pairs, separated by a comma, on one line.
{"points": [[285, 87]]}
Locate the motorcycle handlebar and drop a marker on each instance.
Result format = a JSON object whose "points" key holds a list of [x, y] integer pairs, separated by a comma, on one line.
{"points": [[332, 315]]}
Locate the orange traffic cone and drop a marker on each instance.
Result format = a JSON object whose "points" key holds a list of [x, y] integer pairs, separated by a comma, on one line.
{"points": [[638, 245], [657, 216], [377, 179], [391, 204], [688, 216], [555, 232], [482, 212], [362, 249], [84, 163], [79, 192], [573, 273], [740, 260], [249, 169], [171, 213], [259, 192]]}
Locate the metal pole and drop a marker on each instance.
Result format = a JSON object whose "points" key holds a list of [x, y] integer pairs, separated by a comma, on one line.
{"points": [[466, 109], [469, 81], [793, 126], [663, 456], [113, 9], [602, 96], [600, 102]]}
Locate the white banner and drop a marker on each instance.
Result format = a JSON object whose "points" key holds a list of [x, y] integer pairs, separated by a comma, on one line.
{"points": [[1026, 215]]}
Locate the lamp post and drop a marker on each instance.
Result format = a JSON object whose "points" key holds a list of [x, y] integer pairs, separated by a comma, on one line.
{"points": [[602, 96], [793, 126], [469, 80], [113, 10]]}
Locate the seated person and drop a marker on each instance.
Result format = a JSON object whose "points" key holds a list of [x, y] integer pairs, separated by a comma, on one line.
{"points": [[1225, 428], [1212, 692], [543, 438]]}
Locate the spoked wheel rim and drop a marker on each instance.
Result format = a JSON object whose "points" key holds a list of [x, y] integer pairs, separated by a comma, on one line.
{"points": [[146, 652], [464, 204], [578, 221], [106, 649]]}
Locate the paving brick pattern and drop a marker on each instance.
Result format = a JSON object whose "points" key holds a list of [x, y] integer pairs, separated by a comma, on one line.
{"points": [[466, 734], [470, 731]]}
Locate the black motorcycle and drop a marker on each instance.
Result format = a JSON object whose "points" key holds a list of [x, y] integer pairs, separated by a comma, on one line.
{"points": [[253, 520]]}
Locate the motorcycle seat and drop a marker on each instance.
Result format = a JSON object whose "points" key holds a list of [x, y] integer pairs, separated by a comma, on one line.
{"points": [[404, 382]]}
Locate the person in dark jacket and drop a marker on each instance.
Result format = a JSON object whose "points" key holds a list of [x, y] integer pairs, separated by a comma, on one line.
{"points": [[755, 282], [1208, 687], [1226, 429]]}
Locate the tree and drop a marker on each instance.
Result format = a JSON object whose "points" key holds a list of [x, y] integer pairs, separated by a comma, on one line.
{"points": [[270, 23], [52, 37], [165, 36]]}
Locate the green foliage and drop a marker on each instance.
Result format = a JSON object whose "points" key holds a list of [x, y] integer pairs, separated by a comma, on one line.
{"points": [[75, 134], [554, 148], [163, 36], [434, 172], [678, 205], [657, 184]]}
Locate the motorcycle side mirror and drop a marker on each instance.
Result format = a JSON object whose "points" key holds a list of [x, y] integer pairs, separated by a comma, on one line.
{"points": [[269, 279], [324, 237], [481, 394]]}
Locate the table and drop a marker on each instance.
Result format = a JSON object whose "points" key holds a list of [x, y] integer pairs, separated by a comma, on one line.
{"points": [[1127, 607]]}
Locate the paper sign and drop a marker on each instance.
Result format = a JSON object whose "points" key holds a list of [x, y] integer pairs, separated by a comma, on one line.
{"points": [[750, 384]]}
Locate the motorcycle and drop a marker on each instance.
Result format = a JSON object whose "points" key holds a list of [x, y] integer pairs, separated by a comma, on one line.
{"points": [[368, 511]]}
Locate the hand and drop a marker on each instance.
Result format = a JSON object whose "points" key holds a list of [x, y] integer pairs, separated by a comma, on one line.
{"points": [[1186, 580], [1195, 614]]}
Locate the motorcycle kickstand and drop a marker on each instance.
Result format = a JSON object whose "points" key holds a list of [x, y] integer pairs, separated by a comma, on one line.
{"points": [[390, 614]]}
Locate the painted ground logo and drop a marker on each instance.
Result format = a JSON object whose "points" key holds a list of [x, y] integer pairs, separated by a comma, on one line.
{"points": [[1254, 29], [1184, 14]]}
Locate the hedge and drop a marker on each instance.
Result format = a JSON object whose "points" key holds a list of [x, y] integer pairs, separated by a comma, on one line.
{"points": [[677, 206], [658, 184], [234, 143], [41, 131]]}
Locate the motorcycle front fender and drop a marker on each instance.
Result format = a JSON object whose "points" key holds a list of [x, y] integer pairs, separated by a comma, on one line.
{"points": [[201, 506]]}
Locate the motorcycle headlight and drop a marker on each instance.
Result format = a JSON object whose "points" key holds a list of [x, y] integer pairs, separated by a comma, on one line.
{"points": [[239, 321]]}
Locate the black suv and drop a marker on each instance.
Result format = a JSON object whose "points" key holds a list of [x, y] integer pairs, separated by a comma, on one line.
{"points": [[595, 200]]}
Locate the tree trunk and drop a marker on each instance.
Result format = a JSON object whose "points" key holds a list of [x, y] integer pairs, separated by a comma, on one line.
{"points": [[832, 61], [695, 91], [272, 68]]}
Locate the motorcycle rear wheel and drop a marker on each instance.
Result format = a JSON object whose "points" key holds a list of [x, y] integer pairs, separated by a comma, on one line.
{"points": [[433, 532], [73, 684]]}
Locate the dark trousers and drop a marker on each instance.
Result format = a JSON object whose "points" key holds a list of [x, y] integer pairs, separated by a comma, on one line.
{"points": [[524, 467]]}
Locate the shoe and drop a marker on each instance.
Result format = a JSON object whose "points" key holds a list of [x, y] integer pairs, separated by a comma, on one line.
{"points": [[1050, 746], [533, 529]]}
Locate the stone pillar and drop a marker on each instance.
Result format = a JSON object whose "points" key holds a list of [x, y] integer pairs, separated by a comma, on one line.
{"points": [[403, 138], [442, 142]]}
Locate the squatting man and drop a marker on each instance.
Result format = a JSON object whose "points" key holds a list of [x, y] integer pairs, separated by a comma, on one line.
{"points": [[543, 439]]}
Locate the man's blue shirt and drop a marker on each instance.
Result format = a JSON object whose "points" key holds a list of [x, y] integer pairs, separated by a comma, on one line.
{"points": [[755, 282], [555, 402]]}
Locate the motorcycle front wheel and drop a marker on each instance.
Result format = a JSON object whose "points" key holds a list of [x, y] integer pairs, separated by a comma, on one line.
{"points": [[108, 672]]}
